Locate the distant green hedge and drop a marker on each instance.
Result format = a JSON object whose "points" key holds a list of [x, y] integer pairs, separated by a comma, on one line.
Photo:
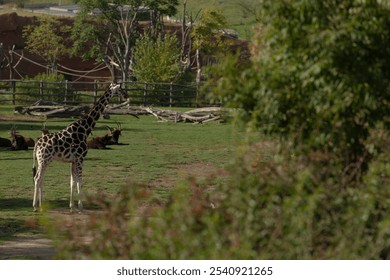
{"points": [[49, 87]]}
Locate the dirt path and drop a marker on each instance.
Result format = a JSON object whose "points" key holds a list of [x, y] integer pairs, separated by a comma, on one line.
{"points": [[36, 247]]}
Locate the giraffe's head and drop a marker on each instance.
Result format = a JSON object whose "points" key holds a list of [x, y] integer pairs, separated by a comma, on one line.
{"points": [[117, 90]]}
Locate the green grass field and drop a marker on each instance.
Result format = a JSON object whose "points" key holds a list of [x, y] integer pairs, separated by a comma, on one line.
{"points": [[237, 19], [151, 152]]}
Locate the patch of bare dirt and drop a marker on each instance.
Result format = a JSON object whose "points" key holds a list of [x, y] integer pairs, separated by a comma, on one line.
{"points": [[27, 247], [39, 246], [200, 171]]}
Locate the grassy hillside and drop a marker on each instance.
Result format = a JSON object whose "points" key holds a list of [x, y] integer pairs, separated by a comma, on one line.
{"points": [[237, 19]]}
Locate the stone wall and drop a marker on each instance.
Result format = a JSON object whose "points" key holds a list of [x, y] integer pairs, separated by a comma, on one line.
{"points": [[11, 34]]}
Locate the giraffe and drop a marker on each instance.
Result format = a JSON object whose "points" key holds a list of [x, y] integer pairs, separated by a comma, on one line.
{"points": [[69, 145]]}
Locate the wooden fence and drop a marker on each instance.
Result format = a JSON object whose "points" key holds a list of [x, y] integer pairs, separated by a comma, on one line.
{"points": [[76, 93]]}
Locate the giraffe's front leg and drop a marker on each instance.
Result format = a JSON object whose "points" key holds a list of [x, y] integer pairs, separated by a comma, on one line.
{"points": [[79, 190], [72, 182]]}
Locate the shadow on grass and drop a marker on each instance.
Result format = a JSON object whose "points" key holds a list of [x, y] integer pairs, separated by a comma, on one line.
{"points": [[9, 227], [13, 204], [30, 125], [63, 205], [18, 204], [18, 224], [8, 204]]}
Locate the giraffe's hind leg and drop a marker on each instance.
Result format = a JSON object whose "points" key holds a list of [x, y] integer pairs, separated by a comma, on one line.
{"points": [[38, 188], [76, 178]]}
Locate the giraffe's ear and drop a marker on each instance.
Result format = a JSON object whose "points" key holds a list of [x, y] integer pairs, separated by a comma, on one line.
{"points": [[116, 87]]}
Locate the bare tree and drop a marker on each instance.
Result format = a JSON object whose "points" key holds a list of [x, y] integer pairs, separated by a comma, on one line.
{"points": [[108, 30], [187, 25], [250, 8]]}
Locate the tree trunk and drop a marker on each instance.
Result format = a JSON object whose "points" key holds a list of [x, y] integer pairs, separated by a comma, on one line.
{"points": [[198, 67]]}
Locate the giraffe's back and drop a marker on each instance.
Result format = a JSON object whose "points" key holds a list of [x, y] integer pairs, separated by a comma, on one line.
{"points": [[63, 146]]}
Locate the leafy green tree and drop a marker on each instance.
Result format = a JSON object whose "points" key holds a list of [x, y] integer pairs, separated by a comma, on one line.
{"points": [[157, 61], [207, 33], [47, 40], [158, 9], [319, 77], [207, 36], [107, 30]]}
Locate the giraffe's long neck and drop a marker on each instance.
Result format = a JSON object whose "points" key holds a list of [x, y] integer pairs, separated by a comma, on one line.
{"points": [[98, 109], [89, 121]]}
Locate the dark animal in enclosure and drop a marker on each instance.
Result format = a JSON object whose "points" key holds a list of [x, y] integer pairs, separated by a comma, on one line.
{"points": [[5, 143], [111, 138], [98, 142], [20, 142]]}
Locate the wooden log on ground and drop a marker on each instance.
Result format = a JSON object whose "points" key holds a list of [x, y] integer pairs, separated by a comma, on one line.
{"points": [[51, 110], [192, 116]]}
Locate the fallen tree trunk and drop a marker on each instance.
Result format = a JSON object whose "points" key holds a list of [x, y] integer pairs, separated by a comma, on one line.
{"points": [[51, 110], [125, 110], [193, 116], [199, 115], [55, 110]]}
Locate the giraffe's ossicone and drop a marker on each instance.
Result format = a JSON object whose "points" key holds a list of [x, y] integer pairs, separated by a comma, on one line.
{"points": [[69, 145]]}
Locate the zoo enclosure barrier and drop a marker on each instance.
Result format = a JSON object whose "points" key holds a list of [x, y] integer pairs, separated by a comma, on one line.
{"points": [[78, 93]]}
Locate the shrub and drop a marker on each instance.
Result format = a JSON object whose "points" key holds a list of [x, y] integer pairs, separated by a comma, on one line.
{"points": [[157, 60], [50, 87], [267, 209], [319, 77]]}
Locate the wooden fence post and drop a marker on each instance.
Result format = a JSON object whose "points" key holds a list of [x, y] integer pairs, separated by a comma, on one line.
{"points": [[66, 91], [41, 89], [177, 94], [13, 92], [95, 88], [145, 92], [170, 94]]}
